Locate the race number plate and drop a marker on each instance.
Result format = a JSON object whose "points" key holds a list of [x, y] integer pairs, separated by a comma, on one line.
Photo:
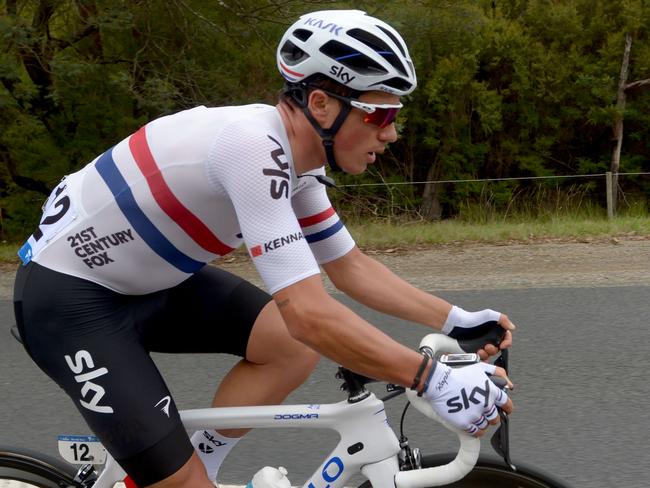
{"points": [[58, 212], [81, 449]]}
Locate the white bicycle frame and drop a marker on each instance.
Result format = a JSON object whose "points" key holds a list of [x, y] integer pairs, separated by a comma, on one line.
{"points": [[367, 444]]}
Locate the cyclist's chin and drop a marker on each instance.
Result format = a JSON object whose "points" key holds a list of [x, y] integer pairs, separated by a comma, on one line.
{"points": [[353, 167]]}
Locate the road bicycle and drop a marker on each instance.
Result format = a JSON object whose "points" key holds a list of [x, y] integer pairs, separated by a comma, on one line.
{"points": [[367, 445]]}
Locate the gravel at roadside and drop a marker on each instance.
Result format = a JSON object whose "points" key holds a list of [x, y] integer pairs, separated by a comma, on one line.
{"points": [[620, 261]]}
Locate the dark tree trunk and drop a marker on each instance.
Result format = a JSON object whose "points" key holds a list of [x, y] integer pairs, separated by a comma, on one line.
{"points": [[620, 114], [431, 208], [88, 14]]}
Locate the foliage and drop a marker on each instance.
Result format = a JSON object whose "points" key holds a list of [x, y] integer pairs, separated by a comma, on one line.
{"points": [[507, 88]]}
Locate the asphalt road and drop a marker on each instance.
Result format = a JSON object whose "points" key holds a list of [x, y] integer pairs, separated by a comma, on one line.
{"points": [[580, 363]]}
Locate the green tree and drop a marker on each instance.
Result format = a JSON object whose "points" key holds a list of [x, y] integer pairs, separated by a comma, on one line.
{"points": [[76, 76], [506, 87]]}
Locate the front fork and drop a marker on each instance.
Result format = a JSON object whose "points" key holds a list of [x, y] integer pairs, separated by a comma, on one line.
{"points": [[382, 474]]}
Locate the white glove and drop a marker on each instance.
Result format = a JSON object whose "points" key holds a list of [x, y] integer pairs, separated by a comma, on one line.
{"points": [[465, 397], [459, 321]]}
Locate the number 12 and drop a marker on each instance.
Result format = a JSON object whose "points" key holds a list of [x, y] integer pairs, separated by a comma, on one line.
{"points": [[81, 452]]}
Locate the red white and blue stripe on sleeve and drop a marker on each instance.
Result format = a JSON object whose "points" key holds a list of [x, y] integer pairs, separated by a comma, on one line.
{"points": [[320, 226]]}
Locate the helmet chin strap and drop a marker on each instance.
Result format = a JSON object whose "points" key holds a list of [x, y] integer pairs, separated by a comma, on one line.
{"points": [[327, 135], [299, 93]]}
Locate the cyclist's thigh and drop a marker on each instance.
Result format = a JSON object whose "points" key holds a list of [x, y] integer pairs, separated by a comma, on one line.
{"points": [[212, 311], [84, 337]]}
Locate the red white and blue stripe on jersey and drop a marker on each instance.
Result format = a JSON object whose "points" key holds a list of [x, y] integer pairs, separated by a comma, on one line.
{"points": [[320, 226], [167, 201], [317, 227]]}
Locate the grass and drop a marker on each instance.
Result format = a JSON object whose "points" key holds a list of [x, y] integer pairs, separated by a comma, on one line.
{"points": [[384, 234], [403, 233], [8, 252]]}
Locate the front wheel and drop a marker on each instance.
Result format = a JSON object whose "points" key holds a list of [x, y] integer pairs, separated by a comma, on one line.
{"points": [[493, 473], [33, 469]]}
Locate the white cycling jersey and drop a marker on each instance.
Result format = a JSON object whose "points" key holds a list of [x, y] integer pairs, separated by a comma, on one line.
{"points": [[182, 191]]}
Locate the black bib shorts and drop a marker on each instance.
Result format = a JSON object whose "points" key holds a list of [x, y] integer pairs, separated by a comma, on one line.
{"points": [[95, 344]]}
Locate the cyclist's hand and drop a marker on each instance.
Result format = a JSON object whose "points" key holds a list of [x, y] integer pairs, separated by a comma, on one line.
{"points": [[460, 323], [466, 398]]}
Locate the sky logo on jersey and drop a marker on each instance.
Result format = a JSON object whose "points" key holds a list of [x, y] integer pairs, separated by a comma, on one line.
{"points": [[279, 174], [320, 226], [270, 246]]}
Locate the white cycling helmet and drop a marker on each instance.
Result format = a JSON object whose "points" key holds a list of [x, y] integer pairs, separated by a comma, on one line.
{"points": [[350, 47]]}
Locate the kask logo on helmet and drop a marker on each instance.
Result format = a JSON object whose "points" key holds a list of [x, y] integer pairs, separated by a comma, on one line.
{"points": [[316, 22]]}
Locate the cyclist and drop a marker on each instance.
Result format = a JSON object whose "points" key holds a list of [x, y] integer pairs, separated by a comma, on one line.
{"points": [[117, 267]]}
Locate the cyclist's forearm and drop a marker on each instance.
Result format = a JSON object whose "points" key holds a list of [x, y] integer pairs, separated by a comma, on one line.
{"points": [[347, 339], [338, 333], [373, 284]]}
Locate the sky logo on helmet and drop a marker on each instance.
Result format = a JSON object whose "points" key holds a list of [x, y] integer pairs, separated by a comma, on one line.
{"points": [[341, 74], [315, 22]]}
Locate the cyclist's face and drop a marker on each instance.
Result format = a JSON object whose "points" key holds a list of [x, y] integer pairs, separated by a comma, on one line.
{"points": [[358, 141]]}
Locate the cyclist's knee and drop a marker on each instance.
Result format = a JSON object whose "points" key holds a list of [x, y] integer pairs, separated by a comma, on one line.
{"points": [[271, 344], [304, 363], [296, 363]]}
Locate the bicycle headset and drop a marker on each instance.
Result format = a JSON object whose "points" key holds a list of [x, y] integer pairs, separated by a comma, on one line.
{"points": [[356, 51]]}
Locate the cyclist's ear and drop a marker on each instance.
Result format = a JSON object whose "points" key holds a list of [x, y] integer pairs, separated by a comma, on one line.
{"points": [[323, 107]]}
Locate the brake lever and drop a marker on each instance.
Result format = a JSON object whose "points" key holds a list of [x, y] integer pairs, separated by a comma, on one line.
{"points": [[500, 440], [502, 360]]}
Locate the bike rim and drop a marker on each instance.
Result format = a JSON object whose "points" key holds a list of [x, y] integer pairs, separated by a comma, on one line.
{"points": [[22, 470], [486, 477], [14, 478], [491, 472]]}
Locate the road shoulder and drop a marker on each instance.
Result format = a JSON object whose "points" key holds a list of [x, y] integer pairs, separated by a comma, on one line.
{"points": [[606, 262]]}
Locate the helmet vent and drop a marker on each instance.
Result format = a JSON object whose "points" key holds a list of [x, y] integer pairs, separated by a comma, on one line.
{"points": [[352, 59], [397, 83], [411, 67], [379, 46], [292, 54], [302, 34], [395, 40]]}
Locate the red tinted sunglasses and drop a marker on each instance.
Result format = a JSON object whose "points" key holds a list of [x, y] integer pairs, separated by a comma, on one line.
{"points": [[379, 114]]}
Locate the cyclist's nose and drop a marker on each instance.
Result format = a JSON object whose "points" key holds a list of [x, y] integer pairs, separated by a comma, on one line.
{"points": [[388, 133]]}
